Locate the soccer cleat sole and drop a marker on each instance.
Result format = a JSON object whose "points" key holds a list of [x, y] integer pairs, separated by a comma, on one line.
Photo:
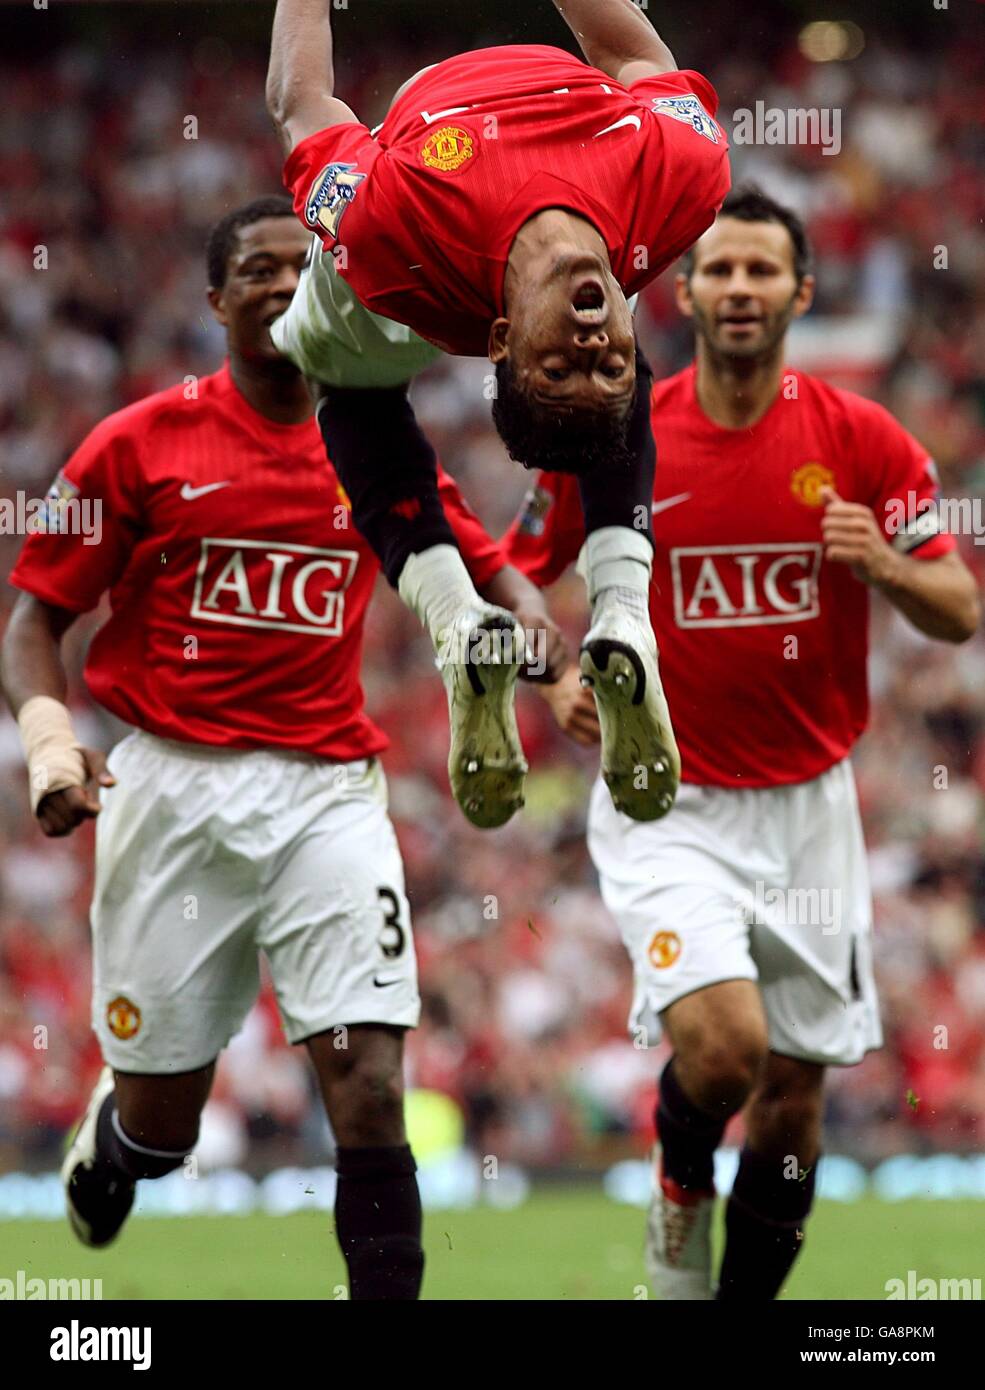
{"points": [[486, 766], [640, 762]]}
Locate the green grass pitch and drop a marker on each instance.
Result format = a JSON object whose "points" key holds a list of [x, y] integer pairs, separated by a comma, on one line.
{"points": [[567, 1244]]}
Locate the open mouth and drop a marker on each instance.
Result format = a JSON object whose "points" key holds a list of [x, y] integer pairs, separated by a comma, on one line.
{"points": [[589, 305], [589, 297], [740, 320]]}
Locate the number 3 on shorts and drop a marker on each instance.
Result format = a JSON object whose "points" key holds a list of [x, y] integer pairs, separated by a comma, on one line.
{"points": [[394, 946]]}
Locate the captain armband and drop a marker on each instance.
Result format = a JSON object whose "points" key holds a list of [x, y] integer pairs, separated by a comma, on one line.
{"points": [[917, 532]]}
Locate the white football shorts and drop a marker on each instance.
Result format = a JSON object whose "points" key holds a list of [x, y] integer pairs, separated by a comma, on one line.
{"points": [[328, 333], [759, 884], [206, 857]]}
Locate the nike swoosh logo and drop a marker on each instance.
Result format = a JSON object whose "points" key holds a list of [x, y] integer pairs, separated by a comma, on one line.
{"points": [[666, 502], [384, 984], [626, 120], [430, 118], [189, 493]]}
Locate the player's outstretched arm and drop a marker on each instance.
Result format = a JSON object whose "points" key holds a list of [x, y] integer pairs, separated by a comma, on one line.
{"points": [[34, 684], [300, 78], [617, 37]]}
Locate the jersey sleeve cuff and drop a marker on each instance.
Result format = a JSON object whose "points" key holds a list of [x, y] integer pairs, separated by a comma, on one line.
{"points": [[45, 594]]}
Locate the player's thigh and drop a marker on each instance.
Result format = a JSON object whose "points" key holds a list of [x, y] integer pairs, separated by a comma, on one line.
{"points": [[786, 1111], [719, 1032], [334, 339], [163, 1112], [173, 910], [335, 922], [814, 953]]}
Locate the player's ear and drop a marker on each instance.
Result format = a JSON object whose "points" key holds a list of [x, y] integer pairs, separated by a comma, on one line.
{"points": [[217, 305], [805, 296], [682, 293], [498, 351]]}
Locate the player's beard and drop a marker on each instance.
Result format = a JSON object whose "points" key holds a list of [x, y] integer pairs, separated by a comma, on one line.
{"points": [[741, 356]]}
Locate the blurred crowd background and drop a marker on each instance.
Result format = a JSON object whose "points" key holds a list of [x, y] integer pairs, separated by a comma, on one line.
{"points": [[524, 1011]]}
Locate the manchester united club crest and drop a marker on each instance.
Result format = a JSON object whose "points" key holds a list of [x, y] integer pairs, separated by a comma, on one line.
{"points": [[331, 193], [448, 149], [664, 949], [123, 1018], [808, 481]]}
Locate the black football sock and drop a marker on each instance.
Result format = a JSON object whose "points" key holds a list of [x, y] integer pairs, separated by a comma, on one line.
{"points": [[388, 469], [624, 497], [688, 1136], [117, 1150], [764, 1223], [378, 1222]]}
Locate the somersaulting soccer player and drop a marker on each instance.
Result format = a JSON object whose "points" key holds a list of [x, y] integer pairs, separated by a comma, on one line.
{"points": [[510, 201]]}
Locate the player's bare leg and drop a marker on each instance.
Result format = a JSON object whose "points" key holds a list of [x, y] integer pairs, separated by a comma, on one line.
{"points": [[720, 1047], [640, 762], [377, 1204], [389, 471], [774, 1187], [135, 1126]]}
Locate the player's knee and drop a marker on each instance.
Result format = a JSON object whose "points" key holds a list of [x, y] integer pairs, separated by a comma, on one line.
{"points": [[367, 1102], [377, 1089], [724, 1071]]}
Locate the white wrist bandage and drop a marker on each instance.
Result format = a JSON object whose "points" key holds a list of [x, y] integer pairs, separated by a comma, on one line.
{"points": [[54, 756]]}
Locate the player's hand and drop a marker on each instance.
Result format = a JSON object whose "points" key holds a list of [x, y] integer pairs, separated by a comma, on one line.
{"points": [[60, 812], [852, 536], [545, 644], [574, 708]]}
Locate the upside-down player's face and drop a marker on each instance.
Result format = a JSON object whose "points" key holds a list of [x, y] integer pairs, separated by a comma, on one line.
{"points": [[569, 338], [742, 292], [262, 275]]}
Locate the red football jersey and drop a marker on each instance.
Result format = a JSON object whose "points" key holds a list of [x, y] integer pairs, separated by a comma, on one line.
{"points": [[763, 642], [423, 217], [238, 583]]}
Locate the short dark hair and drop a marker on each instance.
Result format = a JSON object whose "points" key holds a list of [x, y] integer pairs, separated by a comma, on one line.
{"points": [[750, 204], [560, 441], [222, 238]]}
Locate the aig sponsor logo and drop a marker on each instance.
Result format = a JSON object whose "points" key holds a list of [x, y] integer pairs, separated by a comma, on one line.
{"points": [[293, 588], [745, 585]]}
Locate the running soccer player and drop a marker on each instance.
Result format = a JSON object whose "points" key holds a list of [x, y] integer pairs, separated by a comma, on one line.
{"points": [[509, 199], [247, 810], [779, 504]]}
